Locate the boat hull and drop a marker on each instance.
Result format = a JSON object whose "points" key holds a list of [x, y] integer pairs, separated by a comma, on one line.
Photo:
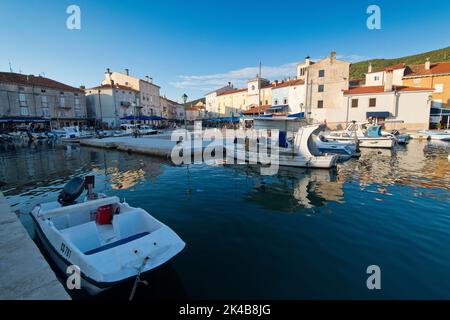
{"points": [[322, 162], [368, 142]]}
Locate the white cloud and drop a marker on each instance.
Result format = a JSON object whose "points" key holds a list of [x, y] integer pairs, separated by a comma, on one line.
{"points": [[239, 77]]}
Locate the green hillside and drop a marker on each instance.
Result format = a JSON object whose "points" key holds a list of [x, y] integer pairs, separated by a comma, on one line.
{"points": [[358, 69]]}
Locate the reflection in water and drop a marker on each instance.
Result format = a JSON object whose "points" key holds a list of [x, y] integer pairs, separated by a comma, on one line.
{"points": [[293, 188], [391, 207]]}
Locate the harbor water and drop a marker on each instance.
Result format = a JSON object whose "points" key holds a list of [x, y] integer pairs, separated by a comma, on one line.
{"points": [[300, 234]]}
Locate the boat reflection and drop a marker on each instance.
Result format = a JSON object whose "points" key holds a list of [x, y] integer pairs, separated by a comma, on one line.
{"points": [[292, 188]]}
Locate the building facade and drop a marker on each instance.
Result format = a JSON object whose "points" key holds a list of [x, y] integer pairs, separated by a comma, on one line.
{"points": [[288, 96], [211, 101], [171, 110], [325, 80], [396, 107], [30, 99], [436, 76], [107, 104], [149, 93]]}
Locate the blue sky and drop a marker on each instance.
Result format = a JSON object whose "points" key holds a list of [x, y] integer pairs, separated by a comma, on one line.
{"points": [[197, 45]]}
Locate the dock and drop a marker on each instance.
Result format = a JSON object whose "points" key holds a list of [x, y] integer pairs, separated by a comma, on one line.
{"points": [[159, 146], [24, 272]]}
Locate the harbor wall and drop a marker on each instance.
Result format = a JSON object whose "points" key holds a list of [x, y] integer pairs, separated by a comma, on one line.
{"points": [[24, 272]]}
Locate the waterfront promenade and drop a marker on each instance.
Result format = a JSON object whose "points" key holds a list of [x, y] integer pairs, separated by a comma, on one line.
{"points": [[24, 273]]}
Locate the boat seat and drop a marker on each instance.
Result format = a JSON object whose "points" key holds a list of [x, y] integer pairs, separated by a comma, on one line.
{"points": [[84, 236], [127, 224], [116, 243]]}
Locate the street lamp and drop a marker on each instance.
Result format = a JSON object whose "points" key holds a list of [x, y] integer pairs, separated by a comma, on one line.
{"points": [[184, 97]]}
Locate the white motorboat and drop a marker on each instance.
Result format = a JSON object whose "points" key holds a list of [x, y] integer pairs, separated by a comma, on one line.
{"points": [[369, 136], [145, 129], [349, 148], [436, 135], [110, 241], [302, 153]]}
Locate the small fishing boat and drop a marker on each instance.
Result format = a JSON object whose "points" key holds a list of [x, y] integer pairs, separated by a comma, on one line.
{"points": [[302, 153], [369, 136], [110, 241], [436, 135]]}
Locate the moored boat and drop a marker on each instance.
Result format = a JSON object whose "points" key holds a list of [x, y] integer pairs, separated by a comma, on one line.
{"points": [[110, 241], [302, 153]]}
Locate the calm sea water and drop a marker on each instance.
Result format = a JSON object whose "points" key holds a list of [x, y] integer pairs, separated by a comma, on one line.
{"points": [[299, 234]]}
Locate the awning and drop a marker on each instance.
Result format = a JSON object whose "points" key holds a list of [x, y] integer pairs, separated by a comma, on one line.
{"points": [[24, 119], [380, 114], [297, 115], [143, 118]]}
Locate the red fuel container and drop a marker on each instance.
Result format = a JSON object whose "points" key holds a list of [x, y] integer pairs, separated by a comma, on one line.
{"points": [[104, 215]]}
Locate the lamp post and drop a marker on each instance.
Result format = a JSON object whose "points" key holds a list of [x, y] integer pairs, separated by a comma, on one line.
{"points": [[184, 97]]}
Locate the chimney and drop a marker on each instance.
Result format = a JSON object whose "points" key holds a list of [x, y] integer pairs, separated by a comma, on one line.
{"points": [[427, 64], [369, 69], [229, 83], [388, 81], [127, 72], [108, 71], [307, 60], [333, 56]]}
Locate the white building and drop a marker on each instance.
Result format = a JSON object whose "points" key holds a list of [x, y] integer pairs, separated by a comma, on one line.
{"points": [[378, 78], [398, 107], [107, 104]]}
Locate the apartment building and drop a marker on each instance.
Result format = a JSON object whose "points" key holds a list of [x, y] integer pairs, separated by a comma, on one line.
{"points": [[26, 99], [149, 93], [107, 104]]}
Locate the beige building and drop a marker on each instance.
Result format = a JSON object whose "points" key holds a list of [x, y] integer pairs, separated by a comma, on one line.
{"points": [[171, 110], [27, 99], [211, 100], [232, 101], [325, 80], [149, 96]]}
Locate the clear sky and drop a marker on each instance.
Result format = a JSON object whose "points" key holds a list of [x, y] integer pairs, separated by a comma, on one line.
{"points": [[194, 46]]}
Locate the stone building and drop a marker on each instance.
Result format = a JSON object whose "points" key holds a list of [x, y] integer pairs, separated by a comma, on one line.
{"points": [[27, 99]]}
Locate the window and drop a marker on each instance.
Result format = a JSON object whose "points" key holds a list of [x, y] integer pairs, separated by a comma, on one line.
{"points": [[22, 100], [276, 102], [372, 102], [23, 111], [354, 103], [376, 78], [321, 73], [44, 101], [285, 101], [320, 104], [62, 101], [43, 91], [439, 88], [321, 87], [267, 102]]}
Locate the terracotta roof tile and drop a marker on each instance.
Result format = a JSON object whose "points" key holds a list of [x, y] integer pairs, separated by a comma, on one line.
{"points": [[435, 68], [232, 91], [30, 80], [288, 83], [380, 89], [254, 110]]}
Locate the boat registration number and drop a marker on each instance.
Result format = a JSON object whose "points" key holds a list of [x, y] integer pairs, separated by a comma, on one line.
{"points": [[65, 250]]}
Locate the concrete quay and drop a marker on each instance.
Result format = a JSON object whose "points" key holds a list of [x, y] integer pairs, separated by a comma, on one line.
{"points": [[24, 272], [160, 146]]}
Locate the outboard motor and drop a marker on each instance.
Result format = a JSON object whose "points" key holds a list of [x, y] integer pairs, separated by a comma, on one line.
{"points": [[72, 190]]}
